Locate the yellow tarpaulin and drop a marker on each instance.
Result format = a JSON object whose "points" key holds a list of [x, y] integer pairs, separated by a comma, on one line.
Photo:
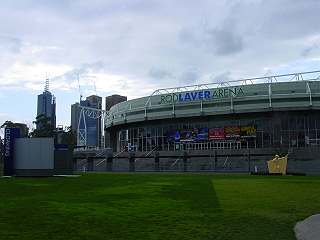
{"points": [[278, 165]]}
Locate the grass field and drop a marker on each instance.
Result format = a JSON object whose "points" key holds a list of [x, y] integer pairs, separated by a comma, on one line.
{"points": [[156, 206]]}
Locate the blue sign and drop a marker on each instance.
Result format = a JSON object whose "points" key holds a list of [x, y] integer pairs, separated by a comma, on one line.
{"points": [[9, 137], [202, 134], [173, 136]]}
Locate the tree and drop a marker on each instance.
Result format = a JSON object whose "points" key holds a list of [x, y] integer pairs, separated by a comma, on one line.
{"points": [[45, 128], [23, 127], [7, 124], [69, 137]]}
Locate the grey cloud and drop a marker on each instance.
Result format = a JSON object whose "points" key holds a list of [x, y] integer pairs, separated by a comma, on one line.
{"points": [[224, 41], [310, 49], [9, 43], [189, 36], [189, 76], [219, 39], [222, 77], [132, 36], [83, 71], [277, 19], [159, 73]]}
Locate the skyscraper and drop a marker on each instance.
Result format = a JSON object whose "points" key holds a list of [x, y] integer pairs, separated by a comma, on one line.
{"points": [[75, 112], [47, 105], [111, 101], [92, 126]]}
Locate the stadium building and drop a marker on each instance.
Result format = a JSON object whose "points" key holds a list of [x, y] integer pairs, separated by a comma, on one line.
{"points": [[276, 112]]}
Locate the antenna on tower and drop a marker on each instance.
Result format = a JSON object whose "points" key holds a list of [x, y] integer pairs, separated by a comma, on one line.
{"points": [[79, 87], [94, 86], [47, 83]]}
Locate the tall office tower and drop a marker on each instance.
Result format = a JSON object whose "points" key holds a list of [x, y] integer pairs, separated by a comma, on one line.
{"points": [[92, 126], [113, 100], [47, 105], [75, 112]]}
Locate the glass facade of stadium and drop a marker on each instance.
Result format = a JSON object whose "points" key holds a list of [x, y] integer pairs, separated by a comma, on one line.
{"points": [[276, 129]]}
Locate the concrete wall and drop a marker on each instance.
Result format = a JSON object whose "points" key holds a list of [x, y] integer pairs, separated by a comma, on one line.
{"points": [[63, 162], [301, 160], [34, 156]]}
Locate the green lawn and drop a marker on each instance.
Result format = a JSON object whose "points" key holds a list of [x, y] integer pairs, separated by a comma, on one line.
{"points": [[156, 206]]}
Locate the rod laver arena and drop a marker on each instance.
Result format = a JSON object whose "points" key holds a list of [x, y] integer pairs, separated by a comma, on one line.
{"points": [[269, 112]]}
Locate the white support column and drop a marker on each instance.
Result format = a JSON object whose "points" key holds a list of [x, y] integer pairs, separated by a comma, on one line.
{"points": [[231, 103], [82, 130], [270, 96], [308, 90]]}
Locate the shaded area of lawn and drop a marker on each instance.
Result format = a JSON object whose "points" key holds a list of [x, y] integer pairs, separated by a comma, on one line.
{"points": [[156, 206]]}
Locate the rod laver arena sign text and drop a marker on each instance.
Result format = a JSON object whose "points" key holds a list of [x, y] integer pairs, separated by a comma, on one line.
{"points": [[203, 95]]}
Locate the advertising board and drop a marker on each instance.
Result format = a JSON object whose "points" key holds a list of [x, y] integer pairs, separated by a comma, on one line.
{"points": [[248, 131], [232, 131], [173, 136], [202, 134], [10, 135], [216, 134], [188, 135]]}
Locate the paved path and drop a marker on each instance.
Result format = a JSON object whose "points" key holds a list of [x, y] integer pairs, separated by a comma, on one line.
{"points": [[308, 229]]}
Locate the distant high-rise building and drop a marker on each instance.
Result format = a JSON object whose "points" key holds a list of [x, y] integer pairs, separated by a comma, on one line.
{"points": [[93, 126], [75, 112], [47, 105], [113, 100]]}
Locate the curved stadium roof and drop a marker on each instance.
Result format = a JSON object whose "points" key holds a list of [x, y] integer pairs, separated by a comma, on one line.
{"points": [[273, 93]]}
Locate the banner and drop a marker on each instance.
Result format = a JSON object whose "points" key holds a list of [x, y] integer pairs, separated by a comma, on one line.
{"points": [[173, 136], [232, 131], [188, 135], [202, 134], [216, 134], [9, 136], [248, 131]]}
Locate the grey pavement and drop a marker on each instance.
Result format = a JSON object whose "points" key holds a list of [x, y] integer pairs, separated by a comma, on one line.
{"points": [[308, 229]]}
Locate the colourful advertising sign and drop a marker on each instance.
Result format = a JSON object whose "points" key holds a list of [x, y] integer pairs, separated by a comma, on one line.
{"points": [[202, 134], [232, 131], [188, 135], [216, 134], [10, 135], [173, 136], [248, 131]]}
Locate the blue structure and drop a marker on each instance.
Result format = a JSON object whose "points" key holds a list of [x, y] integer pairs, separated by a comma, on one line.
{"points": [[91, 127], [47, 105]]}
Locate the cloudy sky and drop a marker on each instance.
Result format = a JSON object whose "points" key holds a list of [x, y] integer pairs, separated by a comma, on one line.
{"points": [[133, 47]]}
